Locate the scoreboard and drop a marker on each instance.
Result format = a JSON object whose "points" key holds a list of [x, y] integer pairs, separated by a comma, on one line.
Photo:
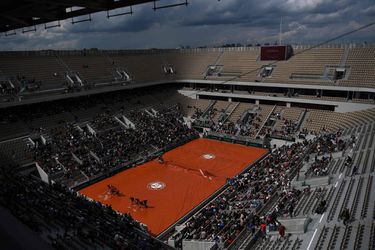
{"points": [[275, 53]]}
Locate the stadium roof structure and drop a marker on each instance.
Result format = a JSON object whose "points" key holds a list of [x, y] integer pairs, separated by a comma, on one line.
{"points": [[26, 14]]}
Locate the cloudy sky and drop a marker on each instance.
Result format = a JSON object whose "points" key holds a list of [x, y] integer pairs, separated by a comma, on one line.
{"points": [[208, 22]]}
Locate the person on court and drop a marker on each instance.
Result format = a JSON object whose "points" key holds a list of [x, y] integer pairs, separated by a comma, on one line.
{"points": [[160, 159]]}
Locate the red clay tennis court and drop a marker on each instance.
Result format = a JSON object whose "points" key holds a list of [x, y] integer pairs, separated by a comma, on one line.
{"points": [[189, 175]]}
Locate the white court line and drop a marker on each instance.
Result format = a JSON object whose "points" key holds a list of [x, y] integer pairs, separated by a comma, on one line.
{"points": [[308, 247]]}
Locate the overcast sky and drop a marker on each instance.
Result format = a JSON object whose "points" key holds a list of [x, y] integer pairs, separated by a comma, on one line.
{"points": [[207, 22]]}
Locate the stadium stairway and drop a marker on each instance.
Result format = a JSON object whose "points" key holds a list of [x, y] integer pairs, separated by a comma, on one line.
{"points": [[354, 192]]}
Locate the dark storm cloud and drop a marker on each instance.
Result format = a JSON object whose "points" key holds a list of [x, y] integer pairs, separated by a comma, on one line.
{"points": [[263, 15], [209, 22], [369, 11]]}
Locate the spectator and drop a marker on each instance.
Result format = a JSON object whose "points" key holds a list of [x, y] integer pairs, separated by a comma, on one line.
{"points": [[345, 216], [321, 207], [282, 231], [262, 230], [355, 169], [291, 210]]}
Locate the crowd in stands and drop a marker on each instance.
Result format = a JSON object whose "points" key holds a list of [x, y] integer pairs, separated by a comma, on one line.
{"points": [[108, 144], [83, 108], [103, 121], [165, 127], [327, 144], [8, 89], [229, 128], [197, 112], [289, 127], [205, 119], [67, 220], [13, 86], [28, 84], [284, 207], [249, 123], [320, 166], [246, 125]]}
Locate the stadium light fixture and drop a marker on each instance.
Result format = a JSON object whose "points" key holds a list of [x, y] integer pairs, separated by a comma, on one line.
{"points": [[169, 5], [89, 19], [33, 29], [52, 25], [11, 33], [130, 12]]}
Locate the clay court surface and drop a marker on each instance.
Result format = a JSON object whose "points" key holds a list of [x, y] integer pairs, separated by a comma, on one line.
{"points": [[189, 174]]}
